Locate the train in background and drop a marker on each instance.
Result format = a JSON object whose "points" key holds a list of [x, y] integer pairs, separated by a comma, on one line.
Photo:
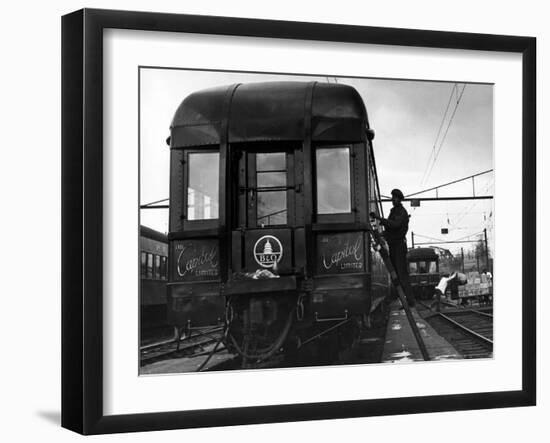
{"points": [[424, 272], [153, 253], [271, 186]]}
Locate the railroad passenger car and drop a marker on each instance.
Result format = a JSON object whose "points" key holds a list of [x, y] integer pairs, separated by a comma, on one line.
{"points": [[153, 246], [423, 271], [271, 185]]}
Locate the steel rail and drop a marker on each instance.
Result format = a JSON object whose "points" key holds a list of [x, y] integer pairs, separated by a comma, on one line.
{"points": [[207, 332], [158, 344], [464, 328], [174, 351], [320, 334], [485, 314]]}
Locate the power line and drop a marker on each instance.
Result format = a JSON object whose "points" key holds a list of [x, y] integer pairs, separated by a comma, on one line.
{"points": [[155, 204], [468, 236], [446, 132], [429, 238], [457, 240], [431, 214], [156, 201], [474, 204], [432, 152]]}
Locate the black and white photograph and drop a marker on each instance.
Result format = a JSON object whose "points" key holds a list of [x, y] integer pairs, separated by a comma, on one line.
{"points": [[290, 220], [275, 222]]}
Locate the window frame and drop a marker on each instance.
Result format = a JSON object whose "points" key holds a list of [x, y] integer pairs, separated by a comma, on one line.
{"points": [[150, 271], [142, 264], [338, 217], [207, 223], [253, 177], [163, 267], [156, 267], [247, 213]]}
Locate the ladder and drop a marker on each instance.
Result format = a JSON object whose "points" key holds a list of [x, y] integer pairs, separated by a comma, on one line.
{"points": [[381, 247]]}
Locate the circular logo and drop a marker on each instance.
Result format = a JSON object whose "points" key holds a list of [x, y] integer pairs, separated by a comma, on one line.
{"points": [[268, 250]]}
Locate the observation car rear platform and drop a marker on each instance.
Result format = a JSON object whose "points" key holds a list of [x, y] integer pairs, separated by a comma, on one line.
{"points": [[271, 185]]}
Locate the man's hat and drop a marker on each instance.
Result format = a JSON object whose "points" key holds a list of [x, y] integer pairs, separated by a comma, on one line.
{"points": [[397, 193]]}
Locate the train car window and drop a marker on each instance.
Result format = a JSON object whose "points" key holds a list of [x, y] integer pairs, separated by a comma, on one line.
{"points": [[271, 188], [432, 267], [163, 268], [374, 204], [374, 198], [143, 267], [149, 265], [157, 267], [202, 188], [422, 268], [413, 268], [333, 180], [275, 161]]}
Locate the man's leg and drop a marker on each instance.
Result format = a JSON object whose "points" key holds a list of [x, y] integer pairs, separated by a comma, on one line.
{"points": [[398, 256], [404, 275], [393, 291]]}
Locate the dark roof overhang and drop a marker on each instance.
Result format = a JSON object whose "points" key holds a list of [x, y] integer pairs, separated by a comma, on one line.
{"points": [[269, 112]]}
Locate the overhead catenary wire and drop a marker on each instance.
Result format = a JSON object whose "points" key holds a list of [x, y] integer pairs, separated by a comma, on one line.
{"points": [[467, 211], [436, 155], [154, 202], [428, 238], [432, 152], [468, 236]]}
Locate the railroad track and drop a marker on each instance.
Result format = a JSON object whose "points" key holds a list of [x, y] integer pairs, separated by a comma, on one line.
{"points": [[470, 331], [192, 346]]}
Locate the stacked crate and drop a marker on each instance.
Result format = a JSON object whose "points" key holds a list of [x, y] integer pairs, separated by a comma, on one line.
{"points": [[477, 285]]}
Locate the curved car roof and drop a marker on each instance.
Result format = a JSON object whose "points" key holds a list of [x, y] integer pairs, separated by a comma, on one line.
{"points": [[270, 111], [146, 232], [422, 254]]}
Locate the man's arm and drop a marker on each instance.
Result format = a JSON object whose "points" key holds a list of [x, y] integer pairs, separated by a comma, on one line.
{"points": [[396, 223]]}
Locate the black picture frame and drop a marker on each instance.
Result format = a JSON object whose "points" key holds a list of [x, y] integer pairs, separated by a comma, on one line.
{"points": [[82, 155]]}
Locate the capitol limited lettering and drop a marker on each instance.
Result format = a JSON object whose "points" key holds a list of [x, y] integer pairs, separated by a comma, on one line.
{"points": [[340, 258], [202, 264], [268, 250]]}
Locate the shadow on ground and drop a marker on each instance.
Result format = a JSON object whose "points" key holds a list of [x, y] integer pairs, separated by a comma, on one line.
{"points": [[54, 417]]}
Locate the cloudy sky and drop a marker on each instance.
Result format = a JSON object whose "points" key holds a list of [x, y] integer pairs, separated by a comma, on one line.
{"points": [[415, 122]]}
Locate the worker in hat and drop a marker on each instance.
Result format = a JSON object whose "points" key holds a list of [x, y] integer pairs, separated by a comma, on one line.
{"points": [[395, 231]]}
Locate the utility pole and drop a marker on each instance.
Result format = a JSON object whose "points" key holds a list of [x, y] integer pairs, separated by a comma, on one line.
{"points": [[486, 248], [412, 239], [462, 254]]}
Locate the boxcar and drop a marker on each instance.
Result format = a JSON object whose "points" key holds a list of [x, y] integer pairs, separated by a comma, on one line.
{"points": [[423, 271], [271, 185]]}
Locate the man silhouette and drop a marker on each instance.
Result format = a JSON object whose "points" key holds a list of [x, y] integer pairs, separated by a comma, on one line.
{"points": [[395, 231]]}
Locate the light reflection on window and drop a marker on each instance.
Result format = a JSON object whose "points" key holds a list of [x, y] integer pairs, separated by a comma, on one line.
{"points": [[333, 181], [203, 185]]}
